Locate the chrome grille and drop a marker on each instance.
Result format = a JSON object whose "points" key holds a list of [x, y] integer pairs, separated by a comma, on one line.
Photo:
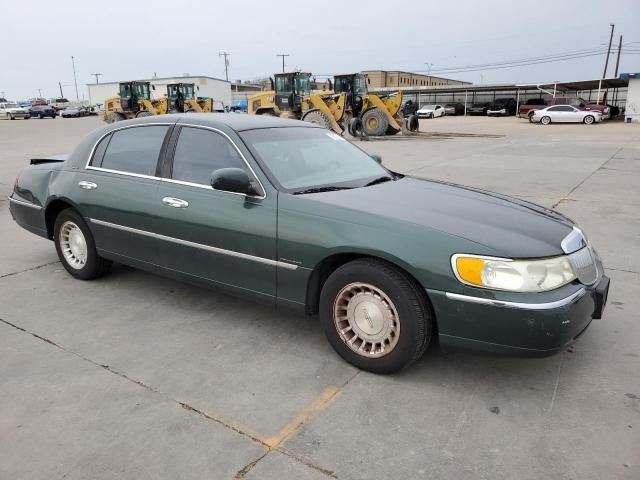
{"points": [[584, 264]]}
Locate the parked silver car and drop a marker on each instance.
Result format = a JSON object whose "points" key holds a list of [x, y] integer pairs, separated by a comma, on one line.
{"points": [[565, 114], [11, 111]]}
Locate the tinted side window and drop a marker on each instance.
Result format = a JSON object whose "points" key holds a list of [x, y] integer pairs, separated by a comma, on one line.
{"points": [[135, 150], [555, 109], [566, 108], [199, 152]]}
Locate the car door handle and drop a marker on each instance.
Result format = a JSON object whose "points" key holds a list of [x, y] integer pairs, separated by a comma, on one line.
{"points": [[88, 185], [175, 202]]}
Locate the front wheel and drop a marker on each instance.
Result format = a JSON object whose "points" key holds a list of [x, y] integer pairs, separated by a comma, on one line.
{"points": [[589, 119], [375, 316], [76, 248], [545, 120]]}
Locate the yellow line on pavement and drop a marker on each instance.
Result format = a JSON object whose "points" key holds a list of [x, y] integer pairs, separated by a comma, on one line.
{"points": [[315, 407]]}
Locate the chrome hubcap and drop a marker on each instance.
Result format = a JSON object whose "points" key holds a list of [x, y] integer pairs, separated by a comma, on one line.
{"points": [[73, 245], [366, 320]]}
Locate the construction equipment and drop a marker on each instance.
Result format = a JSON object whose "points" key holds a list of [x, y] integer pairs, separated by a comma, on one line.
{"points": [[181, 98], [291, 97], [133, 101], [371, 115]]}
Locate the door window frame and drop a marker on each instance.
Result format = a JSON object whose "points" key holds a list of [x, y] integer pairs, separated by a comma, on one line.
{"points": [[167, 163]]}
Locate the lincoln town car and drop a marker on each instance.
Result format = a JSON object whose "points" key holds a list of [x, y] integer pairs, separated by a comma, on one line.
{"points": [[290, 214]]}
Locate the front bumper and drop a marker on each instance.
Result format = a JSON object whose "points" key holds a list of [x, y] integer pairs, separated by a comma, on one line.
{"points": [[496, 112], [527, 328]]}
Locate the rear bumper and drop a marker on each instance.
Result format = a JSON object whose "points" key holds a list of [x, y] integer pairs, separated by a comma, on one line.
{"points": [[28, 215], [526, 329]]}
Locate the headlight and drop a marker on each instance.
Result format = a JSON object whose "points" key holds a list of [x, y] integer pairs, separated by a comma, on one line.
{"points": [[537, 275]]}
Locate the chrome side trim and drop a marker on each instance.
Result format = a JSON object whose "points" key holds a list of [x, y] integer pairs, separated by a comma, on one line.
{"points": [[170, 180], [24, 203], [520, 305], [221, 251]]}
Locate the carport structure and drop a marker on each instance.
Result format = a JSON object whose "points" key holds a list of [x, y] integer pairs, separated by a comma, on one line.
{"points": [[592, 91]]}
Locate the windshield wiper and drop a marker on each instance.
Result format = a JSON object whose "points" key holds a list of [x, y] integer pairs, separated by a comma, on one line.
{"points": [[320, 189], [386, 178]]}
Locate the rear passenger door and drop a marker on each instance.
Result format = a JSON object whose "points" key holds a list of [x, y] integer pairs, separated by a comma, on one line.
{"points": [[222, 237], [117, 191]]}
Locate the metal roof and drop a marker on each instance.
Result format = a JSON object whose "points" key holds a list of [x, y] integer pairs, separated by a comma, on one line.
{"points": [[161, 78]]}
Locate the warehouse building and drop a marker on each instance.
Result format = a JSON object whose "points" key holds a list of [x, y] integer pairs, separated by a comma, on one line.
{"points": [[219, 90], [396, 78]]}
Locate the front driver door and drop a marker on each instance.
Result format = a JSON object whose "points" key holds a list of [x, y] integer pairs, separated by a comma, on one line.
{"points": [[220, 237]]}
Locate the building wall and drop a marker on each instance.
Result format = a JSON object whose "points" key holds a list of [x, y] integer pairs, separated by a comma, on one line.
{"points": [[632, 109], [219, 90], [384, 79]]}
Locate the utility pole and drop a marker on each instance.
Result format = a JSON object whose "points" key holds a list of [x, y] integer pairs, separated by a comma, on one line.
{"points": [[97, 75], [618, 59], [61, 94], [606, 63], [39, 93], [75, 80], [2, 94], [226, 63], [282, 55]]}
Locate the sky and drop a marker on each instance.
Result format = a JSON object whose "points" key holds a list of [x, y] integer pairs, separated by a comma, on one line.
{"points": [[127, 40]]}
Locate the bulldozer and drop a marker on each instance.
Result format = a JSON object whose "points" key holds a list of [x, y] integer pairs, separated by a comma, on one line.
{"points": [[291, 97], [181, 98], [371, 115], [134, 100]]}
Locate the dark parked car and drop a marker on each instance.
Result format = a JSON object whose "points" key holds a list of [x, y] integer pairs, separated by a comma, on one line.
{"points": [[478, 109], [454, 108], [42, 111], [250, 204], [503, 107]]}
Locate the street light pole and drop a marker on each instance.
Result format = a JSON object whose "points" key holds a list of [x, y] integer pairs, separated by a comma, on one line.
{"points": [[282, 55], [75, 80]]}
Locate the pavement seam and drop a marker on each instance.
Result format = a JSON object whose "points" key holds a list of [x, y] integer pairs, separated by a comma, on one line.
{"points": [[254, 438], [28, 269], [621, 270], [247, 468], [566, 197]]}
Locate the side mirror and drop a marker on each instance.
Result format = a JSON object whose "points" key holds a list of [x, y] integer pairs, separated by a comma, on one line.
{"points": [[234, 180], [377, 158]]}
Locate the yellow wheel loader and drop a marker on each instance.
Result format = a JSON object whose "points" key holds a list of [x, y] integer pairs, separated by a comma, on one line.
{"points": [[133, 101], [291, 97], [371, 115], [181, 98]]}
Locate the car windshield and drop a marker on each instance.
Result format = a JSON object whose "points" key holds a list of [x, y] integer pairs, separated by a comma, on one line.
{"points": [[11, 105], [428, 107], [301, 158]]}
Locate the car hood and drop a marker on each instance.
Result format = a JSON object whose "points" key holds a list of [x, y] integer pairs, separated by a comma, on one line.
{"points": [[508, 226]]}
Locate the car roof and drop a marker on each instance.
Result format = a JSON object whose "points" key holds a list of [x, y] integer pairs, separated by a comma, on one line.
{"points": [[235, 121]]}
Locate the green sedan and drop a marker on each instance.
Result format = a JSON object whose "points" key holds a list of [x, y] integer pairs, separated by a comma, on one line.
{"points": [[292, 215]]}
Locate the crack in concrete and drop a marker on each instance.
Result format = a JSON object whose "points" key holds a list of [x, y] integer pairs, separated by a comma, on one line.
{"points": [[29, 269], [566, 197], [186, 406], [621, 270]]}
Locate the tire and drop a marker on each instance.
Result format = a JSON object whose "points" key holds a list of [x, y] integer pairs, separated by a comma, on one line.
{"points": [[377, 287], [316, 117], [11, 117], [374, 122], [589, 119], [413, 124], [114, 117], [143, 113], [545, 120], [530, 115], [355, 127], [41, 116], [76, 247]]}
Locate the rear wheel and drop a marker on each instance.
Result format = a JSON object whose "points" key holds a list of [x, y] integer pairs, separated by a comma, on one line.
{"points": [[545, 120], [412, 123], [41, 116], [12, 117], [375, 316], [530, 115], [317, 117], [374, 122], [113, 117], [76, 247], [589, 119]]}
